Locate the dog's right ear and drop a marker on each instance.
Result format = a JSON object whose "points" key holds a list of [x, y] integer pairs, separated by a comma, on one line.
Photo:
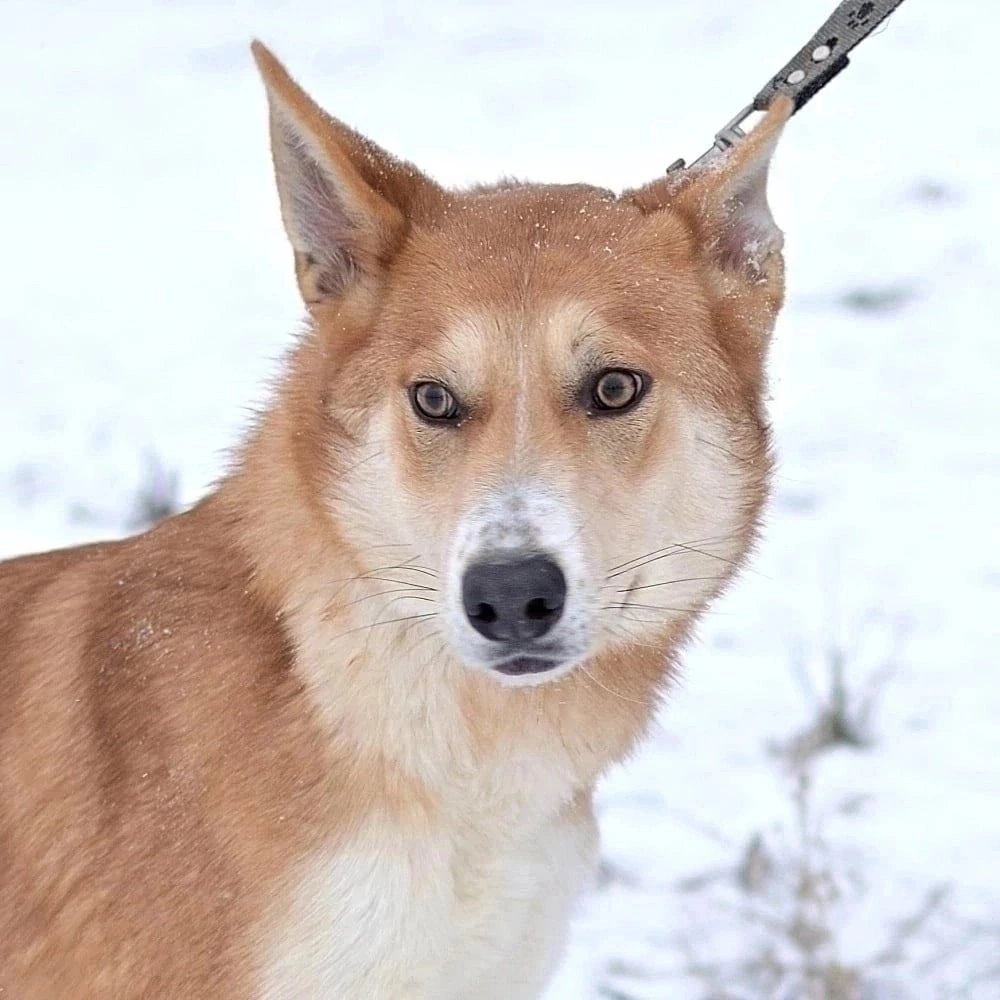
{"points": [[346, 203]]}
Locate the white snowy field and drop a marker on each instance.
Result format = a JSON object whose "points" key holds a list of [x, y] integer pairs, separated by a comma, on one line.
{"points": [[146, 291]]}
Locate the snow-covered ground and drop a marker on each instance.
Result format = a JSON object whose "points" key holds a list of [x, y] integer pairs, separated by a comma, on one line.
{"points": [[145, 291]]}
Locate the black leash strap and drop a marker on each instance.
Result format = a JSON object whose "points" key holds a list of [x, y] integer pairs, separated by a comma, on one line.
{"points": [[812, 67]]}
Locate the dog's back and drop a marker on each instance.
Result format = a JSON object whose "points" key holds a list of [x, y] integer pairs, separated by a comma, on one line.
{"points": [[140, 681]]}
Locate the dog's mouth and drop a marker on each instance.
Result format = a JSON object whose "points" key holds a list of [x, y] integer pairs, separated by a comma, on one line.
{"points": [[521, 665]]}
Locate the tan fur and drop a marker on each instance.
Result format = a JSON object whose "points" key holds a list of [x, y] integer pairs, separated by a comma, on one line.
{"points": [[226, 768]]}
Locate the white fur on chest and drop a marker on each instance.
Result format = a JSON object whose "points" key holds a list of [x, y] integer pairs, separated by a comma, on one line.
{"points": [[447, 915]]}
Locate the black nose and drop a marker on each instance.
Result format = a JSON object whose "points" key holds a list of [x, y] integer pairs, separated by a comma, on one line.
{"points": [[520, 599]]}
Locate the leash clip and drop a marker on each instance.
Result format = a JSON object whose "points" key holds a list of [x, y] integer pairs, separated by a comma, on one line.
{"points": [[729, 134], [725, 138]]}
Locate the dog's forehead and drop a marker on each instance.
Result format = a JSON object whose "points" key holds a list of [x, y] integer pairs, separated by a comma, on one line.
{"points": [[548, 334], [536, 198], [526, 267], [515, 217]]}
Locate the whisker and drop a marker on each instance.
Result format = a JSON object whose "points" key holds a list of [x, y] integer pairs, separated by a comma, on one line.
{"points": [[667, 550], [385, 593], [391, 621], [640, 620], [417, 569], [710, 555], [604, 687], [357, 465], [673, 550], [628, 562], [699, 610], [408, 566], [647, 607], [370, 575], [732, 454], [385, 607], [667, 583], [402, 583], [347, 581]]}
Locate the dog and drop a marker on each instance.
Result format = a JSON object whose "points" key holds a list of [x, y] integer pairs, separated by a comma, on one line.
{"points": [[335, 730]]}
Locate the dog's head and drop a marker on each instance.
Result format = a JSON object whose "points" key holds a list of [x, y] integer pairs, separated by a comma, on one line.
{"points": [[539, 408]]}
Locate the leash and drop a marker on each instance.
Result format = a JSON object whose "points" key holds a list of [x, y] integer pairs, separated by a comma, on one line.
{"points": [[812, 67]]}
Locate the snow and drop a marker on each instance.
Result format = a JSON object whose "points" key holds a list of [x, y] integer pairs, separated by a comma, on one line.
{"points": [[147, 291]]}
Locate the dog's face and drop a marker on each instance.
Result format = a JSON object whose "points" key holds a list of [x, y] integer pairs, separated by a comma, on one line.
{"points": [[549, 427], [549, 397]]}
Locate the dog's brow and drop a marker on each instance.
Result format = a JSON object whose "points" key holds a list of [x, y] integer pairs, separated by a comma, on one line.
{"points": [[585, 339], [595, 348]]}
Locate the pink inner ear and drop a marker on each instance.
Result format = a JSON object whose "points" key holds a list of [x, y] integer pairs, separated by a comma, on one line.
{"points": [[316, 212], [746, 244], [747, 234]]}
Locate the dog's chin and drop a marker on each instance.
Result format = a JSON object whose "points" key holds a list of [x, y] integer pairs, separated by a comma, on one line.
{"points": [[529, 671], [522, 666]]}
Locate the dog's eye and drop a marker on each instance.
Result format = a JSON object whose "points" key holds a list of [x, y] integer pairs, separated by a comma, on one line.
{"points": [[617, 389], [433, 401]]}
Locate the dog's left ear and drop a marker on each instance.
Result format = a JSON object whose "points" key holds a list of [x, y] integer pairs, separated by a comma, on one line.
{"points": [[346, 204], [725, 202]]}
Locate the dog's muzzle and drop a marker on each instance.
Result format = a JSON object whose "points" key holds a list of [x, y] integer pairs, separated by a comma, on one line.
{"points": [[514, 603]]}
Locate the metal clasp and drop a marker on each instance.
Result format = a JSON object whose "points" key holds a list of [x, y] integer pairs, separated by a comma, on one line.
{"points": [[727, 136]]}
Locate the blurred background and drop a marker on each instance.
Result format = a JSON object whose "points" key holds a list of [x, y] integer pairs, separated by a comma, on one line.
{"points": [[818, 812]]}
